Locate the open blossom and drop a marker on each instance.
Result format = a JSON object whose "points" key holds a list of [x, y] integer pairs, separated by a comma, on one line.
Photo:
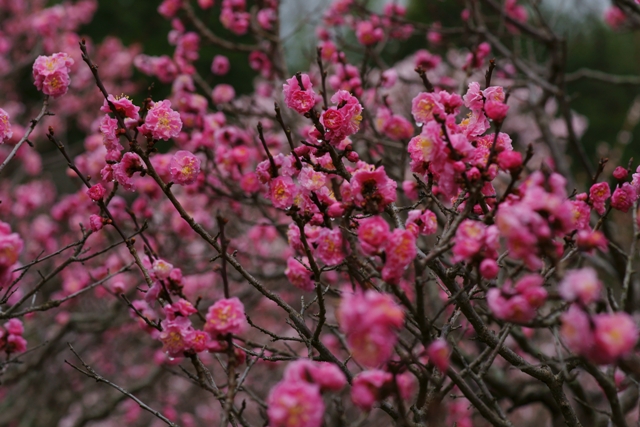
{"points": [[373, 190], [301, 99], [123, 171], [51, 73], [295, 404], [184, 167], [226, 316], [344, 119], [299, 275], [373, 233], [520, 303], [223, 93], [400, 251], [602, 339], [11, 246], [370, 321], [327, 375], [173, 336], [162, 122], [582, 285], [329, 249], [282, 191], [421, 222], [368, 34], [5, 126], [623, 197], [598, 195], [220, 65], [122, 105]]}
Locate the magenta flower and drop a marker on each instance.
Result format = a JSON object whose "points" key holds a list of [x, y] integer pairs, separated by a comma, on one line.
{"points": [[184, 168], [329, 246], [220, 65], [173, 336], [373, 190], [367, 388], [624, 197], [373, 233], [96, 223], [96, 192], [295, 404], [11, 246], [223, 93], [299, 275], [123, 105], [368, 34], [301, 99], [5, 126], [421, 222], [327, 375], [123, 171], [162, 122], [615, 336], [51, 73], [226, 316], [598, 195], [400, 251], [582, 285], [282, 191]]}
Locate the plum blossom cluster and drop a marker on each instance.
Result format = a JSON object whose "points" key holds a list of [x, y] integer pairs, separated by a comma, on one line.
{"points": [[382, 234]]}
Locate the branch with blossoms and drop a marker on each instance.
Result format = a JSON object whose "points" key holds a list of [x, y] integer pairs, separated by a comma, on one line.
{"points": [[416, 242]]}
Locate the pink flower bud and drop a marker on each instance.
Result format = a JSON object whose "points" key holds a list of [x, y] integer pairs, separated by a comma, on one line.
{"points": [[620, 173], [96, 192]]}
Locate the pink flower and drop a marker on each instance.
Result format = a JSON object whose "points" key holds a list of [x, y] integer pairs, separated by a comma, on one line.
{"points": [[295, 404], [5, 126], [51, 73], [598, 195], [367, 388], [623, 197], [301, 99], [223, 93], [615, 336], [96, 192], [11, 246], [184, 168], [400, 251], [329, 246], [496, 110], [123, 106], [373, 190], [520, 303], [299, 275], [614, 17], [96, 223], [424, 106], [226, 316], [576, 330], [327, 375], [421, 222], [510, 160], [370, 320], [14, 327], [162, 122], [282, 191], [161, 269], [343, 120], [373, 233], [469, 239], [220, 65], [620, 173], [582, 285], [489, 268], [182, 307], [368, 34], [123, 171], [439, 353], [173, 339]]}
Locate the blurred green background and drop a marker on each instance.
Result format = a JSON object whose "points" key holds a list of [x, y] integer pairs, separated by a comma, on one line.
{"points": [[591, 44]]}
